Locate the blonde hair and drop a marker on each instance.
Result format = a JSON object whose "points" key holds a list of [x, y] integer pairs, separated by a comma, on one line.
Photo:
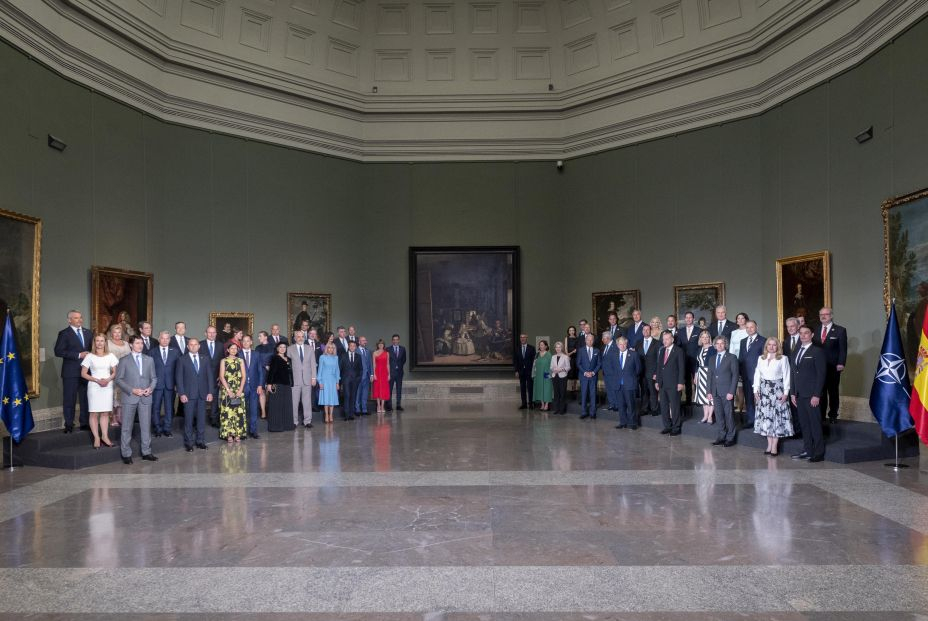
{"points": [[330, 346], [703, 333], [779, 352], [656, 319]]}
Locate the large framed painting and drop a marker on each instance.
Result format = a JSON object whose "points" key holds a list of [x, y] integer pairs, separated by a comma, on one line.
{"points": [[905, 260], [227, 322], [465, 307], [622, 303], [699, 299], [119, 296], [316, 308], [20, 271], [803, 287]]}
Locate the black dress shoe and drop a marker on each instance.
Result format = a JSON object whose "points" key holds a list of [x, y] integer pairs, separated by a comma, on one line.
{"points": [[255, 436], [728, 444], [675, 433], [127, 460], [521, 407], [350, 418], [766, 452], [633, 427], [317, 409], [582, 416], [664, 432], [655, 413], [718, 443], [201, 445], [802, 455], [168, 434], [149, 457], [813, 460], [748, 426], [68, 429], [621, 426], [307, 425], [399, 408]]}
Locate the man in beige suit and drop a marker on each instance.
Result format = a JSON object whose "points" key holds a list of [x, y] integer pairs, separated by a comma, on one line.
{"points": [[303, 360]]}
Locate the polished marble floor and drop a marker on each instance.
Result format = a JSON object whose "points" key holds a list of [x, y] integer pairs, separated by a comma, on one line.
{"points": [[459, 512]]}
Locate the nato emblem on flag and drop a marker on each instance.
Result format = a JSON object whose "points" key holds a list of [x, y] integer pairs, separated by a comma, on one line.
{"points": [[891, 391], [15, 409]]}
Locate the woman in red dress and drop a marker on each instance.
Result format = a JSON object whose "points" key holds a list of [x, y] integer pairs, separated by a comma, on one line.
{"points": [[381, 390]]}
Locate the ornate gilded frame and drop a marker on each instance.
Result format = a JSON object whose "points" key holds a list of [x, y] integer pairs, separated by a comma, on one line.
{"points": [[216, 316], [717, 287], [32, 370], [293, 308], [99, 273], [825, 258], [599, 296], [885, 208]]}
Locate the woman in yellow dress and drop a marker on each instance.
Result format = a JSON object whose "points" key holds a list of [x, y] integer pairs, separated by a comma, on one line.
{"points": [[232, 403]]}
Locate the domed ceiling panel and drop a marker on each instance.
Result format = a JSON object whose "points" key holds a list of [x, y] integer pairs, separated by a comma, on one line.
{"points": [[425, 79]]}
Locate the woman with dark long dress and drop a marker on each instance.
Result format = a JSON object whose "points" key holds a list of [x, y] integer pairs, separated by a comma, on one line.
{"points": [[570, 345], [279, 383]]}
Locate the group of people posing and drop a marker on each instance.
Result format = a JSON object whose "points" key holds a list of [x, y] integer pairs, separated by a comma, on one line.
{"points": [[784, 389], [231, 381]]}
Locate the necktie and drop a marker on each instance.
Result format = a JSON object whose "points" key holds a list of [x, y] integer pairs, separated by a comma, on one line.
{"points": [[622, 361], [589, 351], [646, 341], [721, 327], [276, 339], [80, 335], [138, 363], [799, 355], [196, 363], [793, 343], [301, 353], [606, 351], [147, 345], [164, 355], [718, 360], [666, 355], [247, 357], [396, 350], [824, 333], [523, 351], [212, 351], [351, 357], [750, 341]]}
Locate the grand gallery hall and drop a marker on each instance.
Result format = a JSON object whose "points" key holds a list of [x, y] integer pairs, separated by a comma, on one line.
{"points": [[449, 310]]}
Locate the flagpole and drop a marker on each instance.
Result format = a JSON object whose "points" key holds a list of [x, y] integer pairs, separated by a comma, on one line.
{"points": [[12, 468], [896, 466]]}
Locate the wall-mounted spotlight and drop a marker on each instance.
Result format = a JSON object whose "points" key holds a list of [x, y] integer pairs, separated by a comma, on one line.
{"points": [[560, 165], [56, 143], [550, 87], [864, 136], [374, 90]]}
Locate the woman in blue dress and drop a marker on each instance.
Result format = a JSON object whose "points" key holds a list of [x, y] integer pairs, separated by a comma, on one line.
{"points": [[328, 377]]}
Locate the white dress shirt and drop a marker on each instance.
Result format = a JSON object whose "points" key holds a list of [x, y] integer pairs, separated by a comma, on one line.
{"points": [[771, 369]]}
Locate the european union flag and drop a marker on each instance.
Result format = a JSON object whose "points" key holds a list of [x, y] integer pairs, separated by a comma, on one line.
{"points": [[15, 409], [891, 391]]}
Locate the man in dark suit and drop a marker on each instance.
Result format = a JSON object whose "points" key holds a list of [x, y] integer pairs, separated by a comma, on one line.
{"points": [[688, 339], [213, 351], [752, 346], [635, 332], [721, 326], [670, 371], [312, 342], [72, 345], [832, 338], [610, 367], [397, 361], [648, 349], [351, 369], [352, 335], [179, 340], [165, 358], [672, 328], [721, 389], [614, 330], [254, 382], [523, 361], [583, 331], [589, 362], [808, 368], [341, 341], [192, 383], [790, 347], [276, 337], [367, 376], [629, 372], [148, 341]]}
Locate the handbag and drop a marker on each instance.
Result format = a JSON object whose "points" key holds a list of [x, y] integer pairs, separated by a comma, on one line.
{"points": [[233, 402]]}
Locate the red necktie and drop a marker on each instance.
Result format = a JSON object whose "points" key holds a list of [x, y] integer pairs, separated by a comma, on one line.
{"points": [[824, 333], [666, 355]]}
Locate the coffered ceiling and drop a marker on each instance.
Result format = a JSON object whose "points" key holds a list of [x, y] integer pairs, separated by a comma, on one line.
{"points": [[453, 79]]}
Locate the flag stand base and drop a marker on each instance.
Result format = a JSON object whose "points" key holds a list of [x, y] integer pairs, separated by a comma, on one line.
{"points": [[897, 466], [8, 464]]}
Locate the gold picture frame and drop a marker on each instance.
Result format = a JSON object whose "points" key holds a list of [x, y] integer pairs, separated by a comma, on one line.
{"points": [[218, 318], [622, 301], [319, 310], [904, 219], [803, 287], [21, 286], [698, 298], [114, 291]]}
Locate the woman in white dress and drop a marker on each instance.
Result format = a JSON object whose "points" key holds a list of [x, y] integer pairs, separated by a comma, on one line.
{"points": [[99, 369], [116, 345], [771, 390]]}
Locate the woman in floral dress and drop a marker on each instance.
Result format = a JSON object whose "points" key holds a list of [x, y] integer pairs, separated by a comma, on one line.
{"points": [[232, 403]]}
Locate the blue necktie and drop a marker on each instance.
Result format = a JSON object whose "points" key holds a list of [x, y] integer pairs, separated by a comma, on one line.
{"points": [[196, 364], [718, 360], [211, 351], [80, 335], [622, 363], [138, 362]]}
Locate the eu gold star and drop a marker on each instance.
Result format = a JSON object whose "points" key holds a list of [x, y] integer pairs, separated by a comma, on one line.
{"points": [[10, 355], [17, 402], [26, 398], [6, 401]]}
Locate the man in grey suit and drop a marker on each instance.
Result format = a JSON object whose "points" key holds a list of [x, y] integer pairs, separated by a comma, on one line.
{"points": [[367, 376], [136, 379], [303, 361], [723, 383]]}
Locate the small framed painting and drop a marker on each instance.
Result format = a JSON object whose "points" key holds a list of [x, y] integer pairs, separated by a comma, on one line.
{"points": [[622, 303], [699, 299], [803, 287]]}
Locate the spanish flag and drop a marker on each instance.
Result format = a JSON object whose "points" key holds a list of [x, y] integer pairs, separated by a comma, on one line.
{"points": [[918, 406]]}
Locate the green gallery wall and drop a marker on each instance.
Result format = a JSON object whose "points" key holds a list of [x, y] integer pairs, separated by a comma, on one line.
{"points": [[227, 224]]}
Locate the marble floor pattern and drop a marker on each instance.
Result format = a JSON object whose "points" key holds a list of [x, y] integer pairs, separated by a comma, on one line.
{"points": [[464, 512]]}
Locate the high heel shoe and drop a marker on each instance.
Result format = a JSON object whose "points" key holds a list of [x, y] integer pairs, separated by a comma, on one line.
{"points": [[95, 444]]}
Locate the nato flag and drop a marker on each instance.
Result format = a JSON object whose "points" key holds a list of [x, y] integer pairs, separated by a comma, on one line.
{"points": [[891, 391], [15, 409]]}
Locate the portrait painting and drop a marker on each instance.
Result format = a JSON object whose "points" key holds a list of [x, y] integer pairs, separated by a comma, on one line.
{"points": [[20, 271], [699, 299], [227, 323], [316, 308], [803, 288], [622, 303], [465, 307], [905, 265], [121, 297]]}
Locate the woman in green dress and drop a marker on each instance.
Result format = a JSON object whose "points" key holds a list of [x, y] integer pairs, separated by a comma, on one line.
{"points": [[541, 374], [231, 402]]}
